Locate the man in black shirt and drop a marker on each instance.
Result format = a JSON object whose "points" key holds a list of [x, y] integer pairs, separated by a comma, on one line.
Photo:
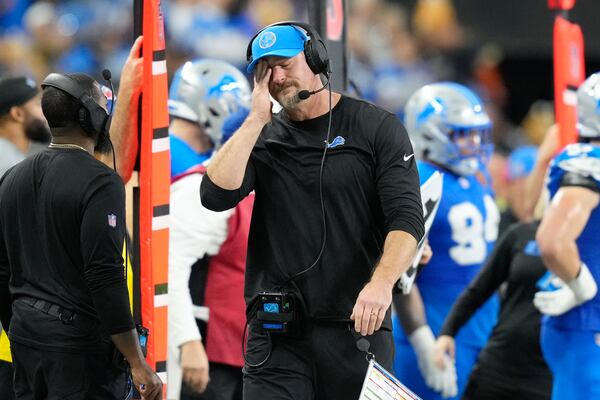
{"points": [[510, 366], [61, 237], [336, 219], [22, 123]]}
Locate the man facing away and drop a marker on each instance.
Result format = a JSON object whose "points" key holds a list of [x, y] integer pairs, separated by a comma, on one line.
{"points": [[61, 267]]}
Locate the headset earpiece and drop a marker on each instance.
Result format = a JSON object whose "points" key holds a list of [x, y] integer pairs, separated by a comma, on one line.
{"points": [[83, 120], [316, 55]]}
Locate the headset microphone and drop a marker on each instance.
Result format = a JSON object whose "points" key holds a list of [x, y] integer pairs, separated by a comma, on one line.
{"points": [[106, 74], [305, 94]]}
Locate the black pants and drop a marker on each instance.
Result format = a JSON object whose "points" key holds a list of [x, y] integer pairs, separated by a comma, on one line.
{"points": [[322, 363], [225, 384], [483, 386], [52, 375], [6, 381]]}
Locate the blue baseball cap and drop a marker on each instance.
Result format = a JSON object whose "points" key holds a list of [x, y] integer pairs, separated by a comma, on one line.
{"points": [[521, 162], [279, 40]]}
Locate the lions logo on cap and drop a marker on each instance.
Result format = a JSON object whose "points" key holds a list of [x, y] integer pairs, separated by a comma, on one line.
{"points": [[266, 40]]}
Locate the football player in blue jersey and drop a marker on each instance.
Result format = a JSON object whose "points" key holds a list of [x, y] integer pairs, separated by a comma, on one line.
{"points": [[568, 240], [204, 96], [450, 131]]}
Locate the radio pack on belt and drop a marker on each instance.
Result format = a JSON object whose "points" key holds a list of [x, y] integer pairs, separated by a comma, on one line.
{"points": [[275, 311], [143, 338]]}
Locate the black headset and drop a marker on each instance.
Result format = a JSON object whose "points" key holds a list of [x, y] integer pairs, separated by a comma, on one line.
{"points": [[315, 51], [93, 119]]}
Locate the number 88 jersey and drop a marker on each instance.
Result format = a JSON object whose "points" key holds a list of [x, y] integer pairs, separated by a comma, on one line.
{"points": [[462, 236]]}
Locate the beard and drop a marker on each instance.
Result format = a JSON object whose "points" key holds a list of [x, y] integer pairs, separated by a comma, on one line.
{"points": [[37, 130], [287, 96], [103, 144]]}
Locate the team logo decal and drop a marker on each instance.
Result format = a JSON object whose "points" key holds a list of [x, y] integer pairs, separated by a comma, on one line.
{"points": [[266, 40], [226, 84], [338, 141]]}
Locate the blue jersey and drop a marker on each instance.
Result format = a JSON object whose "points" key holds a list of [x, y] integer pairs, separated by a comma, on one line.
{"points": [[462, 235], [582, 159], [183, 157]]}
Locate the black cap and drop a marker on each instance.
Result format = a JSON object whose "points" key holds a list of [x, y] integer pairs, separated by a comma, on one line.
{"points": [[16, 91]]}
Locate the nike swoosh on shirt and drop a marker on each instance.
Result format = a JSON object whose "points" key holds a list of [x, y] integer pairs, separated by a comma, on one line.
{"points": [[406, 158]]}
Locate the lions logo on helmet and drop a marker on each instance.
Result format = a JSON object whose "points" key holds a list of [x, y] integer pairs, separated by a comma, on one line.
{"points": [[207, 92], [448, 125], [588, 108]]}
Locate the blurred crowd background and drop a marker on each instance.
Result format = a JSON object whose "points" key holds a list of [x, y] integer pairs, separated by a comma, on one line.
{"points": [[501, 49]]}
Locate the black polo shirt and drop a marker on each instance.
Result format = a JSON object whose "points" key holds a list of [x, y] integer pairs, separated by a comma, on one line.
{"points": [[62, 226], [370, 187]]}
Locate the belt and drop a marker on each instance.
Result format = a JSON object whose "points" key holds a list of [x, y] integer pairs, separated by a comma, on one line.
{"points": [[65, 316]]}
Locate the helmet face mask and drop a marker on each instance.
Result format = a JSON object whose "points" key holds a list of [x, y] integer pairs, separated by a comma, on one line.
{"points": [[447, 125], [207, 92], [467, 149], [588, 108]]}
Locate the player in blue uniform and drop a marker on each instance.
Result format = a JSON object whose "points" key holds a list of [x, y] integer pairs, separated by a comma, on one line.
{"points": [[206, 97], [568, 240], [450, 131]]}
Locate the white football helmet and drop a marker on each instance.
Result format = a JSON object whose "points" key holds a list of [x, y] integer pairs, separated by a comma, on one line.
{"points": [[588, 108], [207, 92], [447, 124]]}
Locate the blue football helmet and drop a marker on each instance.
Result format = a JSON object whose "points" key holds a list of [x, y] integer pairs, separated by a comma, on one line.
{"points": [[447, 124], [588, 108], [207, 92]]}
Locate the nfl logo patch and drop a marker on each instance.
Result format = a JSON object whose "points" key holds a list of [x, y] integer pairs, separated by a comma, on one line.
{"points": [[112, 220]]}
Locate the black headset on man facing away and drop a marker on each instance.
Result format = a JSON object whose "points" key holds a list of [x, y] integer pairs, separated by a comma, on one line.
{"points": [[93, 119]]}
